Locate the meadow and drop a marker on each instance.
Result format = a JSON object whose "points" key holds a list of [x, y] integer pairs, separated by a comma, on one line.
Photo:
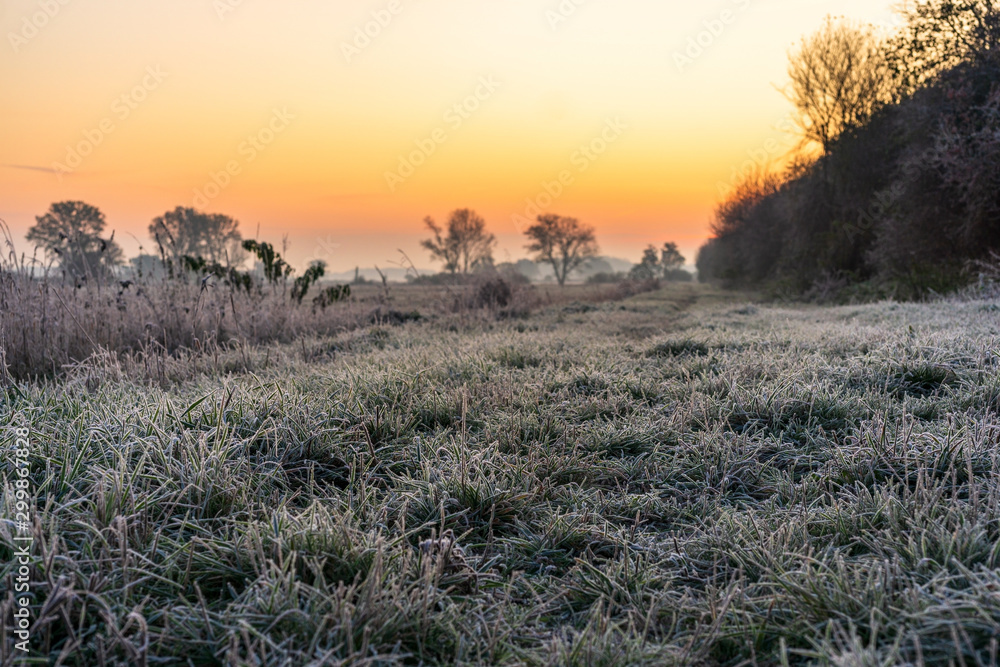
{"points": [[679, 477]]}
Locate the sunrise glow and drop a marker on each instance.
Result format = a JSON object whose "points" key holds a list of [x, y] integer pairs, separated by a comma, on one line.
{"points": [[343, 124]]}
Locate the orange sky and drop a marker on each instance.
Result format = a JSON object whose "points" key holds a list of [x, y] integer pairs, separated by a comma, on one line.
{"points": [[146, 105]]}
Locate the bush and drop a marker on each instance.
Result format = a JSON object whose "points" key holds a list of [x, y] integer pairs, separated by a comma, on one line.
{"points": [[494, 293], [629, 288], [678, 276], [605, 278]]}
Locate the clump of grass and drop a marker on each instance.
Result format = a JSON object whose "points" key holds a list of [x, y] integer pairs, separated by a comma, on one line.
{"points": [[679, 348], [516, 358], [920, 380]]}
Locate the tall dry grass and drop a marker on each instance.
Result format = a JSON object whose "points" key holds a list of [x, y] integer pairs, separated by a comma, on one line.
{"points": [[50, 321]]}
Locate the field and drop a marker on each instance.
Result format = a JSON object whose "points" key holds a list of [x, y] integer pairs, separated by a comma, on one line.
{"points": [[676, 478]]}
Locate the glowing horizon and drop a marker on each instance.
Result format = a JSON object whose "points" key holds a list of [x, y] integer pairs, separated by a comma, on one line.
{"points": [[290, 117]]}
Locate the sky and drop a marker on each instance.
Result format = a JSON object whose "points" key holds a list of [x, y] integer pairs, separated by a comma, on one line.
{"points": [[337, 126]]}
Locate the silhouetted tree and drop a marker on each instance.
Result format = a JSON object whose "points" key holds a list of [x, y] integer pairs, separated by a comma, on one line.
{"points": [[940, 34], [649, 267], [840, 77], [671, 258], [743, 245], [665, 262], [71, 230], [188, 232], [465, 246], [562, 242], [733, 212]]}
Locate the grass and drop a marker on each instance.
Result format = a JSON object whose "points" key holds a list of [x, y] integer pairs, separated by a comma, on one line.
{"points": [[673, 479]]}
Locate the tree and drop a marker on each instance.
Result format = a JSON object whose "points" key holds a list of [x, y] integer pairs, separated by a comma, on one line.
{"points": [[748, 231], [562, 242], [733, 212], [649, 267], [665, 262], [841, 77], [940, 34], [71, 230], [527, 268], [188, 232], [466, 245], [671, 258]]}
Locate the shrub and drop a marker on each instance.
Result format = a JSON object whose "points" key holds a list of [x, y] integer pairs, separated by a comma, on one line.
{"points": [[606, 278], [494, 293], [678, 276], [331, 295], [302, 284]]}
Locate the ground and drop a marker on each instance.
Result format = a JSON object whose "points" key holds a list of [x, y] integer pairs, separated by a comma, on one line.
{"points": [[682, 477]]}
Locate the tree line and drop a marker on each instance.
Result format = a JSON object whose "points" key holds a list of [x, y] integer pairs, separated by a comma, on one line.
{"points": [[895, 185], [72, 234], [464, 246]]}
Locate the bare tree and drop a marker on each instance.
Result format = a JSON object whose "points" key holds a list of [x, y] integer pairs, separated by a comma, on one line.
{"points": [[841, 77], [442, 247], [562, 242], [732, 213], [187, 232], [71, 230], [464, 246]]}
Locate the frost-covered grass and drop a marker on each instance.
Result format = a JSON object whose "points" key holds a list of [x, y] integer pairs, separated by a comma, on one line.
{"points": [[674, 479]]}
